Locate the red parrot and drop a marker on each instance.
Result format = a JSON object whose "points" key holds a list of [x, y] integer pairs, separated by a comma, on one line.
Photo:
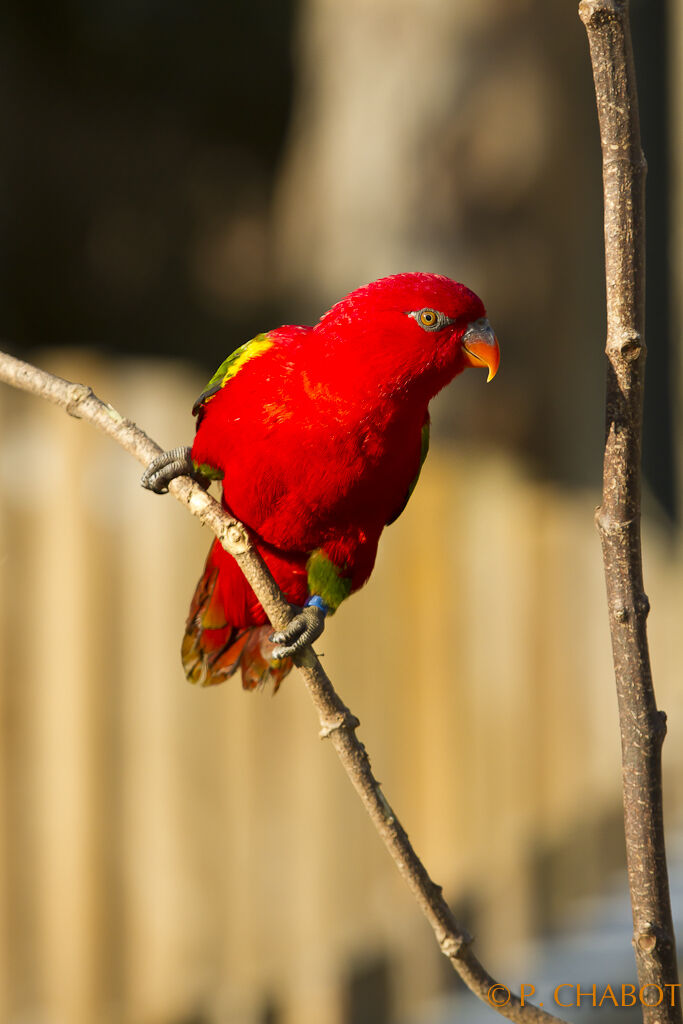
{"points": [[318, 435]]}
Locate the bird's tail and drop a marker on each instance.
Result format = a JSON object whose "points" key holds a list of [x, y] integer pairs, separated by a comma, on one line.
{"points": [[213, 650]]}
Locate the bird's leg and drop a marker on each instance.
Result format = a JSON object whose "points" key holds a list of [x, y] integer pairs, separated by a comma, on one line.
{"points": [[169, 465], [306, 626]]}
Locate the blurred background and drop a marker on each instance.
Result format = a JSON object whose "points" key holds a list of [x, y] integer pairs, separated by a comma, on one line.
{"points": [[175, 179]]}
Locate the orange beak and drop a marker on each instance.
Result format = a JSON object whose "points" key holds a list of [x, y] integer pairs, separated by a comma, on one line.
{"points": [[480, 347]]}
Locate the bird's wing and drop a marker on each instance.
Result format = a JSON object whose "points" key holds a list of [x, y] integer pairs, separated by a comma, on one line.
{"points": [[424, 448]]}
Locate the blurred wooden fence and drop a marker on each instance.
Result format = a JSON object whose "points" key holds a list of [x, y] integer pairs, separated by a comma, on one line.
{"points": [[176, 855]]}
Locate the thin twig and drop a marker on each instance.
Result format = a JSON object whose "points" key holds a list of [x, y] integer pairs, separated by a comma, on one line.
{"points": [[643, 727], [336, 721]]}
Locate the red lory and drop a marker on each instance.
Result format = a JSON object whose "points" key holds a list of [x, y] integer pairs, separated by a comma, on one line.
{"points": [[318, 435]]}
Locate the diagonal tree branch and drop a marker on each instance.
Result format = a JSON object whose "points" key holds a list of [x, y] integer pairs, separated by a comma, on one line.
{"points": [[643, 727], [336, 721]]}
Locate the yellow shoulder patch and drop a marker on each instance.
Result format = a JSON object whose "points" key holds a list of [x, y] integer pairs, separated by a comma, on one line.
{"points": [[231, 366]]}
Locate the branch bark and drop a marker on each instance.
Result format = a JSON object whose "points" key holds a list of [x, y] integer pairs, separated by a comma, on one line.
{"points": [[336, 720], [643, 727]]}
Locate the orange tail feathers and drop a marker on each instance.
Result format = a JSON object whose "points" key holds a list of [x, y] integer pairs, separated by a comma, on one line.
{"points": [[213, 650]]}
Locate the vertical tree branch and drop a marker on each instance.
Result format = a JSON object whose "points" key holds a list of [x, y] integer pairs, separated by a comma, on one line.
{"points": [[643, 727]]}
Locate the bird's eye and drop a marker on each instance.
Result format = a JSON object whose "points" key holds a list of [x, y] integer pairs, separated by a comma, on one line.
{"points": [[430, 319]]}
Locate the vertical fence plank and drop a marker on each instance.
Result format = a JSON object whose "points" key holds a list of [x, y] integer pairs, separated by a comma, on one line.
{"points": [[160, 979], [64, 688]]}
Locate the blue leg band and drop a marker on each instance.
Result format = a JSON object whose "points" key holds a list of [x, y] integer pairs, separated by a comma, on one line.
{"points": [[318, 602]]}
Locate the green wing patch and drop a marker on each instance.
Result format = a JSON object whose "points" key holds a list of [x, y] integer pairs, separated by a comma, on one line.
{"points": [[326, 580], [230, 367], [424, 448]]}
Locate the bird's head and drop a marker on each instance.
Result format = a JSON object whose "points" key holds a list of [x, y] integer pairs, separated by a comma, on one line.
{"points": [[420, 325]]}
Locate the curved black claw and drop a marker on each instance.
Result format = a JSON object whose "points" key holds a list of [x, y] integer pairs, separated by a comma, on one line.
{"points": [[166, 467], [303, 629]]}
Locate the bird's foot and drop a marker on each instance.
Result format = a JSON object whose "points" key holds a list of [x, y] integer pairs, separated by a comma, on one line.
{"points": [[166, 467], [306, 626]]}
